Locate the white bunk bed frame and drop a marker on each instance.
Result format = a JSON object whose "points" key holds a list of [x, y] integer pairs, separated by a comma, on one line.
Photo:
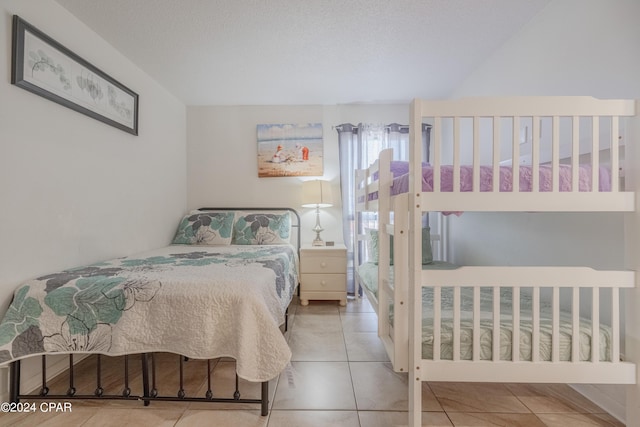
{"points": [[395, 338], [409, 282]]}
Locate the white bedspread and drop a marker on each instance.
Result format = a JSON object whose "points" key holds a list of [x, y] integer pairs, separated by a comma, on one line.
{"points": [[198, 301]]}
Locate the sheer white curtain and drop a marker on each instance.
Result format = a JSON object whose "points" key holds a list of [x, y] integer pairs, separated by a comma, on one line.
{"points": [[359, 147]]}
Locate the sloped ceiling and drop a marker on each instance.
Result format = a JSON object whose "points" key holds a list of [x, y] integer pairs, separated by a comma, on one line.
{"points": [[273, 52]]}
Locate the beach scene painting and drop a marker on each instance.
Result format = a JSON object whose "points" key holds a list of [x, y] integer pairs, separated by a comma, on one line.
{"points": [[290, 150]]}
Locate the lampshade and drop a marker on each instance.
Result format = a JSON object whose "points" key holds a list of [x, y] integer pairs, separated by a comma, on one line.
{"points": [[316, 193]]}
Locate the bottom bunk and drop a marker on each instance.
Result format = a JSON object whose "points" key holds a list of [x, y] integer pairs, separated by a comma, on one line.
{"points": [[513, 320], [469, 339], [477, 323], [516, 324], [493, 323]]}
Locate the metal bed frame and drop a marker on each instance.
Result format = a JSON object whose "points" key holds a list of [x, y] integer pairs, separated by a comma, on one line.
{"points": [[148, 364]]}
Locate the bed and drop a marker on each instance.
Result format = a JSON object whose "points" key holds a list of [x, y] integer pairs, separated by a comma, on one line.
{"points": [[220, 290], [503, 323], [367, 274]]}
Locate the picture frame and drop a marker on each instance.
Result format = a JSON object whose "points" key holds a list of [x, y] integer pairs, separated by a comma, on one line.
{"points": [[290, 149], [43, 66]]}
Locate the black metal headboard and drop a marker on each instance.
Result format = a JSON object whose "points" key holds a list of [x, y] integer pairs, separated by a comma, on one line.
{"points": [[295, 223]]}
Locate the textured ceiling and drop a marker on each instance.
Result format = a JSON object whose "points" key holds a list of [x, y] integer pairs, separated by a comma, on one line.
{"points": [[264, 52]]}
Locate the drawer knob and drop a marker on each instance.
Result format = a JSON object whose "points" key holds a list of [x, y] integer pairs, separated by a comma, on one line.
{"points": [[323, 264], [323, 282]]}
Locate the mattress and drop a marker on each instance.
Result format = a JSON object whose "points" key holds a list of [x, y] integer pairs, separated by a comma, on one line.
{"points": [[198, 301], [506, 328], [368, 274]]}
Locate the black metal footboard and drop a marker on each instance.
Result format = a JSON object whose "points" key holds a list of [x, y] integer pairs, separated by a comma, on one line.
{"points": [[208, 397], [148, 393]]}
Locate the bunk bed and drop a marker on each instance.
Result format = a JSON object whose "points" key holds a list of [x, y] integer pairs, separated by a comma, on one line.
{"points": [[503, 323], [221, 289]]}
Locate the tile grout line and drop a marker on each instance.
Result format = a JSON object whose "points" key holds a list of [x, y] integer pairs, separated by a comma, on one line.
{"points": [[353, 388], [293, 317], [438, 400]]}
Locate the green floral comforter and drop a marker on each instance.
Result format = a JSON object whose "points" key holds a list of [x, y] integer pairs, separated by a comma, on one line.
{"points": [[202, 302]]}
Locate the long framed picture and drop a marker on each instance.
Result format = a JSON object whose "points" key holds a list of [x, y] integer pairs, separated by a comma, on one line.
{"points": [[45, 67]]}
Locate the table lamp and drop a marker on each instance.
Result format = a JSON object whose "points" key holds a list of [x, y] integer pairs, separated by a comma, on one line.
{"points": [[317, 193]]}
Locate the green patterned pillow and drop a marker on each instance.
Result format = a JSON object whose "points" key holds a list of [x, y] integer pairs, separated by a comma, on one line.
{"points": [[427, 253], [374, 246], [205, 228], [262, 229]]}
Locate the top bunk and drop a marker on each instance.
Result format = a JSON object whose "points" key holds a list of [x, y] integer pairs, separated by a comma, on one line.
{"points": [[562, 154]]}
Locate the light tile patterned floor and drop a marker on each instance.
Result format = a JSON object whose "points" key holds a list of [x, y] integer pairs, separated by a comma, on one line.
{"points": [[339, 376]]}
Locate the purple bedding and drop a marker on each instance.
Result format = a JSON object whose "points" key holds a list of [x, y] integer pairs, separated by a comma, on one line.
{"points": [[401, 183]]}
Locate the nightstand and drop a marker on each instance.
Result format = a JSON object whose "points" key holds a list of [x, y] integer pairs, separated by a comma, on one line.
{"points": [[323, 273]]}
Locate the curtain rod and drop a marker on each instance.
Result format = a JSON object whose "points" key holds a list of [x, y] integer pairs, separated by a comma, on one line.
{"points": [[392, 125]]}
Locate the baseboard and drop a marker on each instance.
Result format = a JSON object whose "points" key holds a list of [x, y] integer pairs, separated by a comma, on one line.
{"points": [[31, 373], [611, 398]]}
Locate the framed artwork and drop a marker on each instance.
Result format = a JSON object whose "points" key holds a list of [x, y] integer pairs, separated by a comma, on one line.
{"points": [[290, 150], [45, 67]]}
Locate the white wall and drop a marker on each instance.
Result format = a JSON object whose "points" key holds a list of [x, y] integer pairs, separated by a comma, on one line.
{"points": [[572, 47], [223, 152], [72, 189]]}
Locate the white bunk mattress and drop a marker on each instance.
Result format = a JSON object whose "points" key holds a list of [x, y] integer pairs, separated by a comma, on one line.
{"points": [[368, 274]]}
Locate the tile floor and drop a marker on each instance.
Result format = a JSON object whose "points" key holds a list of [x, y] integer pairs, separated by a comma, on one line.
{"points": [[339, 376]]}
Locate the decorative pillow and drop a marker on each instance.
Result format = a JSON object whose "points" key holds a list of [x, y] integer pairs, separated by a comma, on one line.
{"points": [[374, 246], [427, 253], [262, 229], [205, 228]]}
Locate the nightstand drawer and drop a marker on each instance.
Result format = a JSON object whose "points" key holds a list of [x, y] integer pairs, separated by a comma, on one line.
{"points": [[324, 282], [323, 265]]}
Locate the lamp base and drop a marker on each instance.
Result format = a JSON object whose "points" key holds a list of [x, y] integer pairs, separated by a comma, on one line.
{"points": [[318, 241], [317, 229]]}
